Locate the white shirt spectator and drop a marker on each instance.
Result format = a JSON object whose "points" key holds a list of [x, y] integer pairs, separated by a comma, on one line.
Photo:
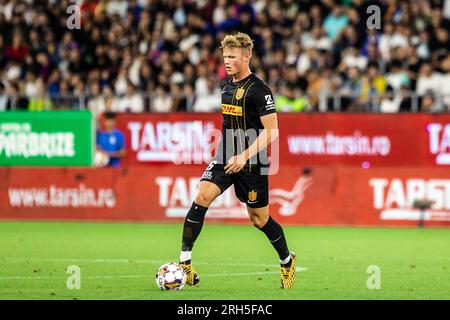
{"points": [[133, 73], [445, 84], [162, 102], [189, 42], [303, 63], [120, 87], [445, 89], [30, 89], [208, 102], [3, 102], [219, 14], [391, 105], [201, 86], [384, 46], [359, 62], [133, 103], [398, 40], [432, 82], [118, 6], [320, 43], [398, 79], [97, 106], [12, 72]]}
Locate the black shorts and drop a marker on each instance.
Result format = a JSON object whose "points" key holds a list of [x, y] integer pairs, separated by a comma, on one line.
{"points": [[250, 188]]}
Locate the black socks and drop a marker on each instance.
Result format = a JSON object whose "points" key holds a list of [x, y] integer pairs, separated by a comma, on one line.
{"points": [[194, 222], [275, 233], [192, 226]]}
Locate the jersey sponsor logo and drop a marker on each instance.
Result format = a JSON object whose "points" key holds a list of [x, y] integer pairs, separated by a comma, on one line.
{"points": [[269, 102], [397, 198], [252, 195], [231, 110], [269, 99], [239, 93]]}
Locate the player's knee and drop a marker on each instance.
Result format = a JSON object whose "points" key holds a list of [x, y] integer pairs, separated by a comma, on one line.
{"points": [[203, 199], [257, 221]]}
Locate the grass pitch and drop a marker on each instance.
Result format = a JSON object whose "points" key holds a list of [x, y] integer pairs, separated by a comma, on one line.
{"points": [[119, 261]]}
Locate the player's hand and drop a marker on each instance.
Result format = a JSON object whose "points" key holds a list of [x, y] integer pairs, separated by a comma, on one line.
{"points": [[235, 164]]}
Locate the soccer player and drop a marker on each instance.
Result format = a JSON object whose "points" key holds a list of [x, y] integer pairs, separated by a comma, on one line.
{"points": [[247, 104]]}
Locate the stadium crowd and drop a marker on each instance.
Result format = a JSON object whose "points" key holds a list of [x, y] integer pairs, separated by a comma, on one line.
{"points": [[163, 56]]}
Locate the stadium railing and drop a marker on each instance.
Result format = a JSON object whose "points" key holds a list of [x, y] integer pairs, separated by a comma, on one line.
{"points": [[336, 102]]}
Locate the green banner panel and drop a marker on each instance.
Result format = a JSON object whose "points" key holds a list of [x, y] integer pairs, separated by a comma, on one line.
{"points": [[48, 138]]}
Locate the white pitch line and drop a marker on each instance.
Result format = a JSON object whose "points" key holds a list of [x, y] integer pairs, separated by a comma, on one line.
{"points": [[298, 269], [126, 261]]}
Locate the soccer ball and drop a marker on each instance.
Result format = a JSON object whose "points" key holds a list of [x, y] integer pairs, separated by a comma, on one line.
{"points": [[101, 159], [170, 276]]}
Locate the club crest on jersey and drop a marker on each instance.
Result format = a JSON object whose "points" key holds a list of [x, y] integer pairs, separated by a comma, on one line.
{"points": [[252, 195], [239, 93]]}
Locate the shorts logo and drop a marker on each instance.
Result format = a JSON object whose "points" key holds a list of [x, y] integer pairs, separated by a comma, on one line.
{"points": [[239, 93], [207, 175], [252, 195]]}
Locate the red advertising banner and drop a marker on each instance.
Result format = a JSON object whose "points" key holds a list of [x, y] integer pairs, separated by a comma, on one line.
{"points": [[169, 138], [362, 140], [319, 195]]}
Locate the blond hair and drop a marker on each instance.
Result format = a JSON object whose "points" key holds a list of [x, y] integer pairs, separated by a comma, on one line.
{"points": [[239, 40]]}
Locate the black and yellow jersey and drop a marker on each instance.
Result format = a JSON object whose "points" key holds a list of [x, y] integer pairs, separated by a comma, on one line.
{"points": [[243, 104]]}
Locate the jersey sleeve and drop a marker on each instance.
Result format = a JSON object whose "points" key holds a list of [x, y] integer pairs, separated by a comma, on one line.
{"points": [[263, 99], [120, 141]]}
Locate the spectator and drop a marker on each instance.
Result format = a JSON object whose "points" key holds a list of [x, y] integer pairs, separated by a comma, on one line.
{"points": [[373, 85], [162, 101], [289, 101], [156, 44], [40, 101], [3, 98], [111, 141], [96, 101], [398, 77], [16, 101], [132, 101], [430, 104], [350, 90], [208, 101], [390, 102], [335, 22], [17, 51], [428, 80], [445, 81]]}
